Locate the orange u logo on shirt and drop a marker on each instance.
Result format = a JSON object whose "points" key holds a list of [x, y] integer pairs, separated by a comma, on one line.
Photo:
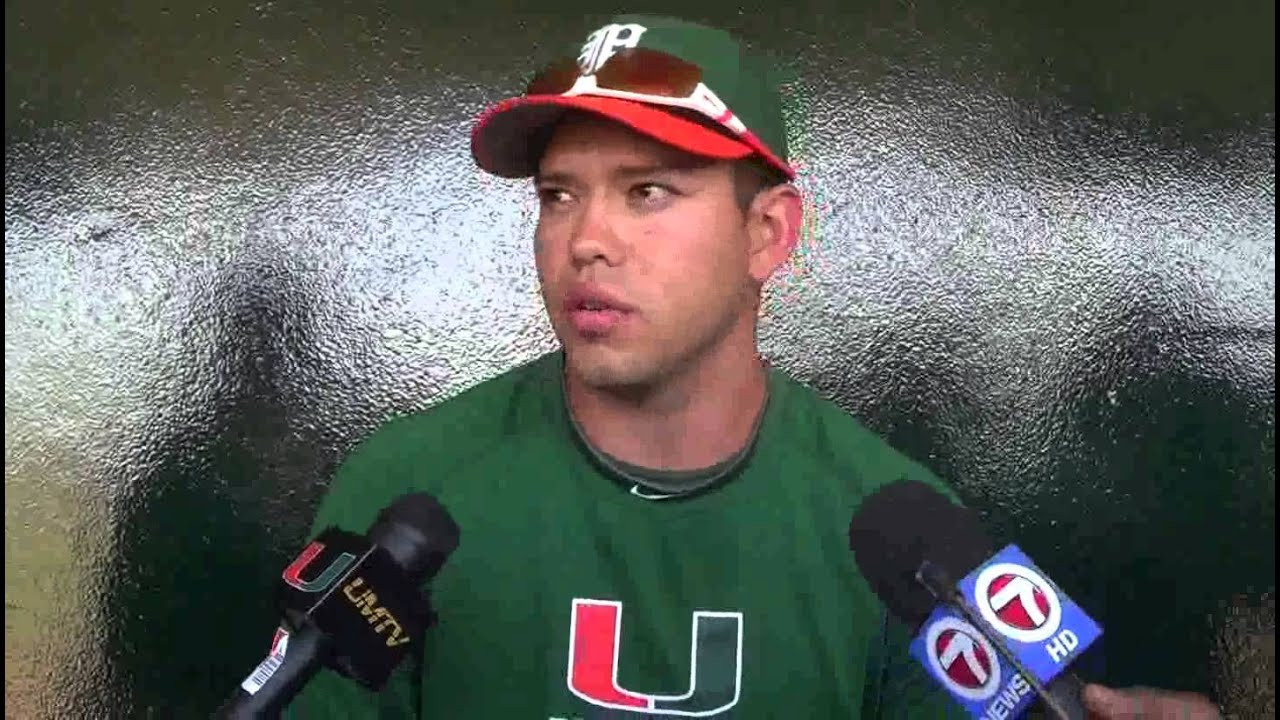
{"points": [[715, 672]]}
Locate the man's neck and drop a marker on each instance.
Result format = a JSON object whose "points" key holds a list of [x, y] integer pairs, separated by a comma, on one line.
{"points": [[694, 420]]}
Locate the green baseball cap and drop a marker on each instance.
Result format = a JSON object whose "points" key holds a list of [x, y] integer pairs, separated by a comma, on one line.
{"points": [[693, 87]]}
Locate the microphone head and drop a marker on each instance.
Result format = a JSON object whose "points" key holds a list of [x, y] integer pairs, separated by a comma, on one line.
{"points": [[901, 525], [418, 533]]}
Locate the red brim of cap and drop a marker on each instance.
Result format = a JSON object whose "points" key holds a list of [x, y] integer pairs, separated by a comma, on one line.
{"points": [[505, 139]]}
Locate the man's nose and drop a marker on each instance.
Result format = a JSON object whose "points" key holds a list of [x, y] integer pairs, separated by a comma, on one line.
{"points": [[595, 238]]}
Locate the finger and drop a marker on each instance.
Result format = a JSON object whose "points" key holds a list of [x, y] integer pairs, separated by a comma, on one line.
{"points": [[1139, 702], [1108, 703]]}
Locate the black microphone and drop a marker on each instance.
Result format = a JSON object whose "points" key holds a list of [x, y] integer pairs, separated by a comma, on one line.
{"points": [[353, 604], [913, 545]]}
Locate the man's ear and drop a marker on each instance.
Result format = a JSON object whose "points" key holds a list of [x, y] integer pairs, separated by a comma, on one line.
{"points": [[773, 227]]}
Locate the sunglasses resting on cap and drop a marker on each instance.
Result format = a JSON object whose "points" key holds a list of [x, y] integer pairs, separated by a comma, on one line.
{"points": [[686, 85]]}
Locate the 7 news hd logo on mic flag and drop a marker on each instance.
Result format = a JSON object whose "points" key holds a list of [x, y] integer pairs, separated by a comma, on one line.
{"points": [[1042, 627]]}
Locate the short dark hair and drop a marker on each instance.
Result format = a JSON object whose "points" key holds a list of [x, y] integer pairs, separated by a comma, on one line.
{"points": [[752, 176]]}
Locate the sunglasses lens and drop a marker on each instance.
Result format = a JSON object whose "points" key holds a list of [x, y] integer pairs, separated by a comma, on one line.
{"points": [[647, 72], [554, 80]]}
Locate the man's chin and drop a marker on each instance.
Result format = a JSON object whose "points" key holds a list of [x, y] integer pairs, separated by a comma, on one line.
{"points": [[605, 369]]}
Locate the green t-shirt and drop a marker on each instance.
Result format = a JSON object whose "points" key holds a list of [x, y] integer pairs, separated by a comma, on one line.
{"points": [[571, 597]]}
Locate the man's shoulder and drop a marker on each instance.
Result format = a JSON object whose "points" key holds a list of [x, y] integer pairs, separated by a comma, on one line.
{"points": [[423, 450], [844, 445], [824, 427], [488, 412]]}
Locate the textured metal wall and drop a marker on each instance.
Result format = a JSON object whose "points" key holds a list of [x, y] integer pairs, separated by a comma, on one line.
{"points": [[237, 236]]}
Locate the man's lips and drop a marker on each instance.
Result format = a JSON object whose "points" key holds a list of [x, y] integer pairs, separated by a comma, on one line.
{"points": [[595, 311], [590, 297]]}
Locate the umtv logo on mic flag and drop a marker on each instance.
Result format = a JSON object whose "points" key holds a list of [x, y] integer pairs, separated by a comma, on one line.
{"points": [[1021, 608]]}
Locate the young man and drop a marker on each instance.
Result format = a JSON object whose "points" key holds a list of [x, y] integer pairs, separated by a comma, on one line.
{"points": [[654, 521]]}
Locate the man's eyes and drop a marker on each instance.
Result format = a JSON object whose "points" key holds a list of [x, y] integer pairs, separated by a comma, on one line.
{"points": [[652, 192], [647, 193], [551, 195]]}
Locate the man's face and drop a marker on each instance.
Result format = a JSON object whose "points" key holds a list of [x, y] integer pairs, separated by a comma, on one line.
{"points": [[641, 251]]}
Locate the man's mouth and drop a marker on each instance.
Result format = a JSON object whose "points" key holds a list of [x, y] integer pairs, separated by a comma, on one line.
{"points": [[594, 312]]}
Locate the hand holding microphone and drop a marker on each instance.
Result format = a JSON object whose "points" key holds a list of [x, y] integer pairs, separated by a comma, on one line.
{"points": [[990, 627]]}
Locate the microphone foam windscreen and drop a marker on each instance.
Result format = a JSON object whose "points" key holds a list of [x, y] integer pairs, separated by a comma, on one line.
{"points": [[899, 526], [418, 532]]}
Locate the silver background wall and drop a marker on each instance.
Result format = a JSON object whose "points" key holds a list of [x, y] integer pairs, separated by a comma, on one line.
{"points": [[238, 236]]}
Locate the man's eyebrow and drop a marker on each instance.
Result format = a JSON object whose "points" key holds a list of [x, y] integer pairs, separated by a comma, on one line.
{"points": [[625, 172], [552, 178], [679, 168]]}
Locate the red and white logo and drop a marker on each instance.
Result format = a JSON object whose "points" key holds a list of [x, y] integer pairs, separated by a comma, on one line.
{"points": [[964, 659], [715, 667], [603, 43], [280, 642], [1018, 602]]}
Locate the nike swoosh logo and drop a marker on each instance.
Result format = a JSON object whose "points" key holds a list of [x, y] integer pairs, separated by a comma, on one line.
{"points": [[635, 490]]}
